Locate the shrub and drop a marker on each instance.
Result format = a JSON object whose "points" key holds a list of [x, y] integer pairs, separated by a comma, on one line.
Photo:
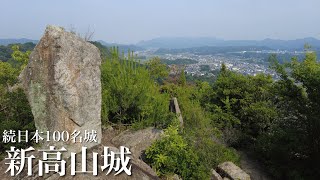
{"points": [[172, 155]]}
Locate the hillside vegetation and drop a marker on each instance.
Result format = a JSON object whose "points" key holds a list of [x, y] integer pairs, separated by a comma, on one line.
{"points": [[278, 121]]}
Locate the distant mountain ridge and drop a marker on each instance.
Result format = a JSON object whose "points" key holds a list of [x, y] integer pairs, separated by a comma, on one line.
{"points": [[122, 47], [192, 42], [178, 43], [16, 41]]}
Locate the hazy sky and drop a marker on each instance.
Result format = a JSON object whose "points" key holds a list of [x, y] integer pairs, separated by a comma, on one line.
{"points": [[129, 21]]}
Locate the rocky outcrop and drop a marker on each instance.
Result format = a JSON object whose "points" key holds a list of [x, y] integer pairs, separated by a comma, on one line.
{"points": [[62, 83], [137, 141], [215, 175], [232, 171]]}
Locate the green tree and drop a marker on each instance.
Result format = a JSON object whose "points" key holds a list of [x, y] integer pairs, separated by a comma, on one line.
{"points": [[158, 71], [297, 98], [15, 112], [242, 103], [21, 57], [182, 78], [223, 68], [8, 75]]}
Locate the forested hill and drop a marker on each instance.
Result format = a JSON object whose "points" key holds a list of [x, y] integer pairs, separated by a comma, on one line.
{"points": [[6, 42], [6, 51], [122, 47], [186, 42]]}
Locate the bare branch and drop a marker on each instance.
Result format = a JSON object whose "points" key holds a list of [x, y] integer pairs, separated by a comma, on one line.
{"points": [[89, 34]]}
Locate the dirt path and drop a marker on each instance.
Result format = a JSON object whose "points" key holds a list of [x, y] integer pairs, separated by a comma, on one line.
{"points": [[252, 167]]}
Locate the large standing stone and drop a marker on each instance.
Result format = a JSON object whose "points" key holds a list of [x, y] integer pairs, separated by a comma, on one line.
{"points": [[62, 83]]}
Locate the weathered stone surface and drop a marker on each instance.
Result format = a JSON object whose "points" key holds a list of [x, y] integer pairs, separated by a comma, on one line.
{"points": [[176, 177], [215, 175], [232, 171], [62, 83], [137, 141]]}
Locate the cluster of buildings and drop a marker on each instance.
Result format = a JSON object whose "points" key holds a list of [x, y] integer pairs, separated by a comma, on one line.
{"points": [[247, 66]]}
